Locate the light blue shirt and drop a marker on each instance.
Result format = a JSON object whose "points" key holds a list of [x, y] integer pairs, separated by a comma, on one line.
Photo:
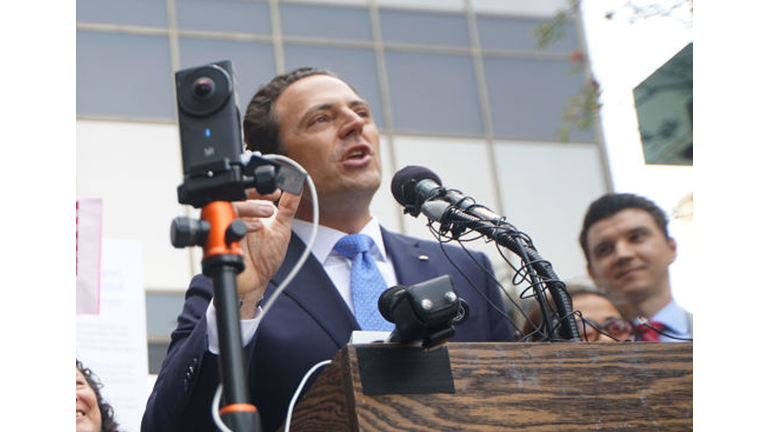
{"points": [[675, 319]]}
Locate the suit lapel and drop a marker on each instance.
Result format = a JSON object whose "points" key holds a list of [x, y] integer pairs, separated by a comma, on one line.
{"points": [[313, 292], [408, 257]]}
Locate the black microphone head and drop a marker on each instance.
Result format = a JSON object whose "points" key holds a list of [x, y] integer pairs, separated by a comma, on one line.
{"points": [[404, 183], [388, 299]]}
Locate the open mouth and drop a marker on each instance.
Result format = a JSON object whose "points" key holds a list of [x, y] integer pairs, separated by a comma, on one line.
{"points": [[357, 154], [79, 414]]}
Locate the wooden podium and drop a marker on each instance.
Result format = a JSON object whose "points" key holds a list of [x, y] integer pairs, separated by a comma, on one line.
{"points": [[638, 386]]}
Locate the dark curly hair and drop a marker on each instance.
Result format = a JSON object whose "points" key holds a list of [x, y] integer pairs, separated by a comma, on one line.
{"points": [[261, 126], [612, 203], [108, 423]]}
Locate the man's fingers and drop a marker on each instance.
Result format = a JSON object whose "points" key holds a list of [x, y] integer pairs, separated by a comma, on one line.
{"points": [[287, 207], [254, 209], [253, 224]]}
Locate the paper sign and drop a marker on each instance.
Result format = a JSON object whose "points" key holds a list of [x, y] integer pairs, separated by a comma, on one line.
{"points": [[114, 343], [88, 261]]}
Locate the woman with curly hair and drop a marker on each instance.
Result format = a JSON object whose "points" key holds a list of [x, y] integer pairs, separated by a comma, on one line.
{"points": [[92, 412]]}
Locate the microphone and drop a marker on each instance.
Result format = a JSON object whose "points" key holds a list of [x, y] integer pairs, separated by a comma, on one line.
{"points": [[419, 190], [413, 185], [427, 311]]}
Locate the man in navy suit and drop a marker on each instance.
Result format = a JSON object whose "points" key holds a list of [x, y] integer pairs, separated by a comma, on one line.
{"points": [[321, 122]]}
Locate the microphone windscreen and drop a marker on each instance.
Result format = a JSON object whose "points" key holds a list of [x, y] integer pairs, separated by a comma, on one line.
{"points": [[404, 183], [388, 299]]}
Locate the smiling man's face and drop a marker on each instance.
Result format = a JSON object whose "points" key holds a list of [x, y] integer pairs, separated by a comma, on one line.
{"points": [[629, 254]]}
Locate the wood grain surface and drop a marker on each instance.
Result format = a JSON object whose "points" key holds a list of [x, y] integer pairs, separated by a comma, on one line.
{"points": [[638, 386]]}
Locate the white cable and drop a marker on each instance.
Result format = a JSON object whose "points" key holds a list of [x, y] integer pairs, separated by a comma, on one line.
{"points": [[298, 391], [315, 223], [215, 411]]}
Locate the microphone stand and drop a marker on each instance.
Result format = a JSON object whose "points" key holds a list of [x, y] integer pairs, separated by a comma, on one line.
{"points": [[501, 234]]}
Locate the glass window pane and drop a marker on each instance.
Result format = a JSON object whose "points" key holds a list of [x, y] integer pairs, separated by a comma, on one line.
{"points": [[528, 97], [330, 22], [433, 93], [424, 28], [543, 8], [162, 311], [134, 12], [449, 5], [224, 15], [156, 352], [124, 75], [253, 62], [353, 65], [508, 33]]}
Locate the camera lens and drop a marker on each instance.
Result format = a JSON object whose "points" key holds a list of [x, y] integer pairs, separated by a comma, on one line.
{"points": [[203, 87]]}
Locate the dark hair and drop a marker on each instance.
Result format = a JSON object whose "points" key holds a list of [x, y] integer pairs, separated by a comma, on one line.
{"points": [[261, 126], [612, 203], [108, 423]]}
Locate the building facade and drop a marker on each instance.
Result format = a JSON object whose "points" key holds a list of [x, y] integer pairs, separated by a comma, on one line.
{"points": [[459, 86]]}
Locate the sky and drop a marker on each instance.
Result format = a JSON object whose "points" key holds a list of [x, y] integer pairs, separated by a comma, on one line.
{"points": [[622, 54]]}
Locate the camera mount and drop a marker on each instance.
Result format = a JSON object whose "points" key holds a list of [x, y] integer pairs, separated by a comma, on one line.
{"points": [[216, 173]]}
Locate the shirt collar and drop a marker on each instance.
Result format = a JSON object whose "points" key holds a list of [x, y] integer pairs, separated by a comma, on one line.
{"points": [[327, 238], [673, 317]]}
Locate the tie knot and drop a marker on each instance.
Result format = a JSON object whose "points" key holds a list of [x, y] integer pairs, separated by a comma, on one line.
{"points": [[351, 245]]}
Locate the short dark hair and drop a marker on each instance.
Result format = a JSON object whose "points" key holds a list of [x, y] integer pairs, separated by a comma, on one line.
{"points": [[108, 422], [260, 123], [612, 203]]}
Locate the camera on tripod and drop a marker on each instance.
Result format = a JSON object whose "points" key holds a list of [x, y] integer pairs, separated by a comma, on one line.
{"points": [[215, 168]]}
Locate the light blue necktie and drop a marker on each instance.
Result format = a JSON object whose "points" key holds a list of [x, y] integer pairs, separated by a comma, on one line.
{"points": [[365, 280]]}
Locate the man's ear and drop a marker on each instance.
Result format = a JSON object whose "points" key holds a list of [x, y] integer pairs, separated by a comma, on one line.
{"points": [[673, 249]]}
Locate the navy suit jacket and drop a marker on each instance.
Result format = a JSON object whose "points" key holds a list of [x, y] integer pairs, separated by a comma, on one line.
{"points": [[309, 323]]}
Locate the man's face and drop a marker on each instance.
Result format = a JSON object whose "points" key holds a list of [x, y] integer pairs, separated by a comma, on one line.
{"points": [[629, 254], [327, 128]]}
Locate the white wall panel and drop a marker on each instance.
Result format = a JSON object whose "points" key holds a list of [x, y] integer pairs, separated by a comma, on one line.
{"points": [[444, 5], [135, 168], [547, 188]]}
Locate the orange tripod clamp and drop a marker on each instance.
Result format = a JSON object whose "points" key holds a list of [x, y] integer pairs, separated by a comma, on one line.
{"points": [[225, 229]]}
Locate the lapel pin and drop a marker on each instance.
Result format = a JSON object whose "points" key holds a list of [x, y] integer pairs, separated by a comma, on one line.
{"points": [[423, 258]]}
